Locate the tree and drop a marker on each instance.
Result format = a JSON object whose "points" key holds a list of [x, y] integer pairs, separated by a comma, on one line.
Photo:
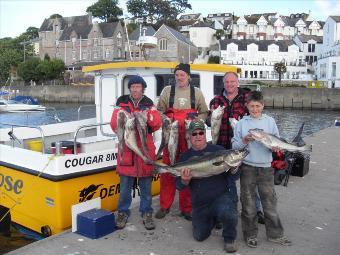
{"points": [[106, 10], [28, 70], [280, 68], [159, 10], [10, 55]]}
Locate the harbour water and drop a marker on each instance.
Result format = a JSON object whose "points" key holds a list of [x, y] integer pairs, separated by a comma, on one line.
{"points": [[288, 122]]}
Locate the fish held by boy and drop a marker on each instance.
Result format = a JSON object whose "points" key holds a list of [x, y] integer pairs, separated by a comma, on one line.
{"points": [[272, 141], [216, 121], [210, 163], [166, 124]]}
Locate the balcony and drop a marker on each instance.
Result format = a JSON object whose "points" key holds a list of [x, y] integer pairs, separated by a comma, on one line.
{"points": [[147, 41]]}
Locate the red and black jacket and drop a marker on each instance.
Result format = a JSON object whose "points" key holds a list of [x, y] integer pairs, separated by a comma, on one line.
{"points": [[233, 109]]}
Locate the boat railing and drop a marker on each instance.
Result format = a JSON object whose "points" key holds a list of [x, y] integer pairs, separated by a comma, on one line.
{"points": [[14, 138], [82, 127], [55, 115], [84, 106]]}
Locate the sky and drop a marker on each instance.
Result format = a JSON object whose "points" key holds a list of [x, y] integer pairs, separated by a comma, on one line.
{"points": [[17, 15]]}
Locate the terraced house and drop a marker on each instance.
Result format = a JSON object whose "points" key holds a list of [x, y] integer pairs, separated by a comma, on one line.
{"points": [[77, 39]]}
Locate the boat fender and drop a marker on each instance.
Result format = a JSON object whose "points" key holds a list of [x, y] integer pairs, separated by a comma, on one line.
{"points": [[46, 231]]}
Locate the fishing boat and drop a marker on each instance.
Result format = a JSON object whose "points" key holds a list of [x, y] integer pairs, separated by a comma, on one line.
{"points": [[20, 104], [44, 170]]}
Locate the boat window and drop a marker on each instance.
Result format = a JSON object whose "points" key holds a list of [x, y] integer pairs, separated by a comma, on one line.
{"points": [[164, 80], [218, 84]]}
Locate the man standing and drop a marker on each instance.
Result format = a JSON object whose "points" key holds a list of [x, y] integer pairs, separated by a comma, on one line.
{"points": [[234, 100], [179, 102], [214, 198], [131, 165]]}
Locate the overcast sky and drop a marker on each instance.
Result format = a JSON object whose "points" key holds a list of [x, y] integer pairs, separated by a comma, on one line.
{"points": [[17, 15]]}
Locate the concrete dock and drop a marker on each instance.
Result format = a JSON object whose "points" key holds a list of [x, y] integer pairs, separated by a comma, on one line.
{"points": [[309, 209]]}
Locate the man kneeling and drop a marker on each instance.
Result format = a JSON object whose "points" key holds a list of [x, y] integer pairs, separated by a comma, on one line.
{"points": [[214, 199]]}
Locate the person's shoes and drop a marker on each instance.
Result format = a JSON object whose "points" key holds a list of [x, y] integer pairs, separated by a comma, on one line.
{"points": [[148, 221], [219, 225], [251, 242], [283, 240], [187, 216], [260, 217], [230, 247], [160, 214], [121, 220]]}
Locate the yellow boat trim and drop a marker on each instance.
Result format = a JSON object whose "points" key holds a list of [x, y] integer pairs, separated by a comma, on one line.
{"points": [[148, 64]]}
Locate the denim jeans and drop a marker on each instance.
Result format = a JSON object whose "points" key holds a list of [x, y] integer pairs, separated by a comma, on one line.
{"points": [[263, 179], [126, 184], [258, 201], [222, 209]]}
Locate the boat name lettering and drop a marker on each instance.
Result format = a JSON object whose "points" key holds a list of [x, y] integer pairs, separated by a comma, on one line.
{"points": [[89, 160], [10, 184]]}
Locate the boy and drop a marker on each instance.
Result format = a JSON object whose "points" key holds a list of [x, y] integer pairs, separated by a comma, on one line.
{"points": [[256, 170]]}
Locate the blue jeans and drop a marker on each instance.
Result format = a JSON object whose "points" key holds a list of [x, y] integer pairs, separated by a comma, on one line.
{"points": [[258, 201], [222, 209], [126, 183]]}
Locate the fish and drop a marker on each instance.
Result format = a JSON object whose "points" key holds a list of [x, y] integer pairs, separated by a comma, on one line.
{"points": [[297, 140], [173, 141], [233, 122], [272, 141], [166, 124], [142, 127], [122, 116], [187, 133], [209, 164], [216, 121], [130, 138]]}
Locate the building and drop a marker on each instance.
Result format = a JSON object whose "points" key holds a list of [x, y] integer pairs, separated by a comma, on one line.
{"points": [[77, 39], [220, 17], [256, 58], [311, 46], [202, 35], [136, 52], [185, 21], [328, 64]]}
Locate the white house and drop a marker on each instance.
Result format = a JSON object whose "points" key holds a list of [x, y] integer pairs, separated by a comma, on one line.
{"points": [[202, 34], [256, 58], [328, 65]]}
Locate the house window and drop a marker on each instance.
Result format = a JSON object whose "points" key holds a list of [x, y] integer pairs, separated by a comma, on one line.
{"points": [[107, 53], [311, 47], [74, 42], [95, 54], [137, 54], [119, 51], [84, 54], [333, 69], [119, 39], [95, 42], [73, 54], [163, 44]]}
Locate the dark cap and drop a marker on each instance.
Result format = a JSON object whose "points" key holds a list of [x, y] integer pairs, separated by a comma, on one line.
{"points": [[183, 67], [196, 124], [136, 79]]}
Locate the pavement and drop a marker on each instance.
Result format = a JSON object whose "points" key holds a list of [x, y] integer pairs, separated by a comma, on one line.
{"points": [[309, 209]]}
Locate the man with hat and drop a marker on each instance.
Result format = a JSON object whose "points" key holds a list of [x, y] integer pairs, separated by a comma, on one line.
{"points": [[180, 102], [131, 165], [214, 198]]}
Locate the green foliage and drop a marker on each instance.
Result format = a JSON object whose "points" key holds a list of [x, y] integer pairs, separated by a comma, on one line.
{"points": [[47, 57], [131, 27], [280, 68], [219, 33], [41, 70], [157, 9], [214, 60], [56, 15], [10, 55], [106, 10]]}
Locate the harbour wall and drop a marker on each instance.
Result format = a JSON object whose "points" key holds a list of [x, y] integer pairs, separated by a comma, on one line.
{"points": [[290, 97]]}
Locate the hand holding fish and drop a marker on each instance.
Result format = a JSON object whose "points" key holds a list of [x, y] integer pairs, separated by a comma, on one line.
{"points": [[186, 176], [248, 138]]}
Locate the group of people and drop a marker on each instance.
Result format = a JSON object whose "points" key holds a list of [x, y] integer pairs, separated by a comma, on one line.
{"points": [[207, 202]]}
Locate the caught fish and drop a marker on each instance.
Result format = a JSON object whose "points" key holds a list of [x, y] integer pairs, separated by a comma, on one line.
{"points": [[173, 142], [216, 121], [271, 141], [130, 138], [233, 122], [187, 133], [210, 163], [166, 124], [142, 127], [122, 116]]}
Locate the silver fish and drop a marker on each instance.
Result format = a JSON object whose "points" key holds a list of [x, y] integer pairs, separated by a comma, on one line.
{"points": [[173, 142], [210, 163], [130, 138], [271, 141], [233, 122], [122, 116], [142, 127], [216, 121], [187, 133], [166, 124]]}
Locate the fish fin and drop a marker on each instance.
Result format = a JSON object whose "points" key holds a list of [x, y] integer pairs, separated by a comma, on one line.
{"points": [[298, 141], [218, 163]]}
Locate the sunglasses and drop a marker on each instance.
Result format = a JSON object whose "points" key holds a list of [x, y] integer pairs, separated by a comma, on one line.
{"points": [[198, 133]]}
